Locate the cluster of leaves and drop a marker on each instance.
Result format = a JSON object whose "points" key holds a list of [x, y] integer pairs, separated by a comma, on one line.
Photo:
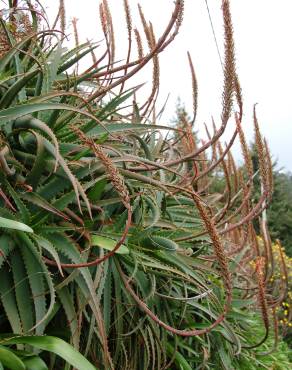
{"points": [[110, 236]]}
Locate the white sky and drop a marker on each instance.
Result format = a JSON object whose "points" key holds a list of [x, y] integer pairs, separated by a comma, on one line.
{"points": [[263, 33]]}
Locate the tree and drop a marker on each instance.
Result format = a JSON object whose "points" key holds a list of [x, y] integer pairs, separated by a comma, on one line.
{"points": [[279, 212]]}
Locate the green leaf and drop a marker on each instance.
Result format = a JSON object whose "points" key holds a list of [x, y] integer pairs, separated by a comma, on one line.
{"points": [[153, 206], [107, 243], [11, 93], [25, 216], [35, 363], [6, 246], [8, 299], [122, 127], [178, 358], [84, 280], [37, 200], [55, 345], [159, 242], [37, 272], [68, 54], [52, 68], [15, 225], [29, 108], [10, 360], [75, 183], [48, 246], [74, 60], [29, 122], [97, 189], [67, 300], [22, 291]]}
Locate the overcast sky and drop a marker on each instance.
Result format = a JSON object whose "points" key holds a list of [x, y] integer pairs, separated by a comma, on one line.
{"points": [[263, 35]]}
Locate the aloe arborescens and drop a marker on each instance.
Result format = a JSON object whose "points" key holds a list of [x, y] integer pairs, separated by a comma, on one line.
{"points": [[112, 236]]}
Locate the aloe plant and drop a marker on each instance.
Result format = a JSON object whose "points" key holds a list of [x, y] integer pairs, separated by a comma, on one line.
{"points": [[111, 236]]}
